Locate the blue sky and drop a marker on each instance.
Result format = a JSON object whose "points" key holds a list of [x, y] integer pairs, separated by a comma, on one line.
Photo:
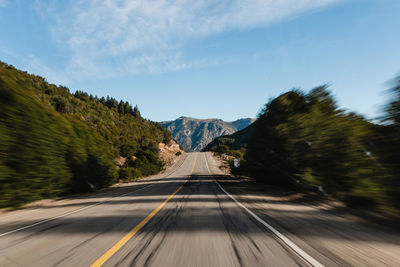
{"points": [[207, 59]]}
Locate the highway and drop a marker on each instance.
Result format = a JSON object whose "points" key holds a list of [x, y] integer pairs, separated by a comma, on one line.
{"points": [[182, 217]]}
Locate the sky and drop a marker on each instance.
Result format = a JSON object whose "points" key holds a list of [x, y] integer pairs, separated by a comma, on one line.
{"points": [[207, 59]]}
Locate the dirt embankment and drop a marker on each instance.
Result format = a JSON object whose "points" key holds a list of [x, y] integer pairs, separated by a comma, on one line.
{"points": [[169, 152]]}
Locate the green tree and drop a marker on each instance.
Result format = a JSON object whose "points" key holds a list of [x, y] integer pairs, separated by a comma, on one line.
{"points": [[136, 112]]}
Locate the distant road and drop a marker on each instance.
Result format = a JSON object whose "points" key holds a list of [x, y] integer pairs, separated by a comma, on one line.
{"points": [[180, 218]]}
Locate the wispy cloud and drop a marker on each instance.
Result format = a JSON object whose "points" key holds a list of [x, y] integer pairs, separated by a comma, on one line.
{"points": [[107, 37], [34, 65]]}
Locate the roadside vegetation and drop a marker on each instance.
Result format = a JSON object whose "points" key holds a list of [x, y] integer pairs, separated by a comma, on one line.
{"points": [[303, 140], [53, 142]]}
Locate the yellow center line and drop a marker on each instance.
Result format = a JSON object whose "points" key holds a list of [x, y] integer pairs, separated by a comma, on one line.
{"points": [[100, 261]]}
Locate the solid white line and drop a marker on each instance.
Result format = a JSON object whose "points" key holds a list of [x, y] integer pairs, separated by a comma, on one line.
{"points": [[78, 210], [289, 243], [69, 213]]}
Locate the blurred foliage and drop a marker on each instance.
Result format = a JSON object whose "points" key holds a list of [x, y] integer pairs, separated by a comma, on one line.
{"points": [[53, 142], [306, 140]]}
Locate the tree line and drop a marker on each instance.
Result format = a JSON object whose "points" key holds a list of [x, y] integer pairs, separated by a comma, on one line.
{"points": [[304, 140], [123, 107], [53, 142]]}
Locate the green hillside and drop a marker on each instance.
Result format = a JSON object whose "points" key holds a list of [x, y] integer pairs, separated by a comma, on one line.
{"points": [[53, 142]]}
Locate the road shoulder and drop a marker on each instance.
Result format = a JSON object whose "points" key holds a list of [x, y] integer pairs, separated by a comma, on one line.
{"points": [[329, 233], [49, 209]]}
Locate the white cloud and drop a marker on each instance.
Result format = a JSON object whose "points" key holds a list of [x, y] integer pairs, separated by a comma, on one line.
{"points": [[110, 37]]}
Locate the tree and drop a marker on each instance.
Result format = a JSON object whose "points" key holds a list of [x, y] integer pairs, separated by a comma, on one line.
{"points": [[127, 108], [393, 107], [136, 112], [82, 95], [111, 103], [121, 107]]}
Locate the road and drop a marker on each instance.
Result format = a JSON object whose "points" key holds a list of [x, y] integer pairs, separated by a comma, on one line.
{"points": [[182, 217]]}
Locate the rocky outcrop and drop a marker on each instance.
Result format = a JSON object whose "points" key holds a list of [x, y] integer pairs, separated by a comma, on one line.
{"points": [[194, 134], [169, 152]]}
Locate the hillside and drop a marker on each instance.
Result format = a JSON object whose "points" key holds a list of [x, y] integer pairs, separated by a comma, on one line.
{"points": [[304, 140], [194, 134], [53, 142], [235, 141]]}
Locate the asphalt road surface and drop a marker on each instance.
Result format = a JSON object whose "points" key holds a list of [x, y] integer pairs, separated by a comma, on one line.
{"points": [[182, 217]]}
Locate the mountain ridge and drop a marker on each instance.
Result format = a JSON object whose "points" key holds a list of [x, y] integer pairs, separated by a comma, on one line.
{"points": [[194, 134]]}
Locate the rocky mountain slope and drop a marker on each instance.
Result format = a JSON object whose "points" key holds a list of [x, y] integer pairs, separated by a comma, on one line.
{"points": [[234, 141], [194, 134]]}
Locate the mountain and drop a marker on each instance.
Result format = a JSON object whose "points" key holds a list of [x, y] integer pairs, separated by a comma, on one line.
{"points": [[194, 134], [235, 141], [53, 142]]}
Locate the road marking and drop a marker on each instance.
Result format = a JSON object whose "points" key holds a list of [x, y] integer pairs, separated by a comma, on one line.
{"points": [[283, 238], [68, 213], [100, 261], [77, 210]]}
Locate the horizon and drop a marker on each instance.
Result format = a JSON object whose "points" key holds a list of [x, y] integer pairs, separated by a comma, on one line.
{"points": [[188, 117], [221, 61]]}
